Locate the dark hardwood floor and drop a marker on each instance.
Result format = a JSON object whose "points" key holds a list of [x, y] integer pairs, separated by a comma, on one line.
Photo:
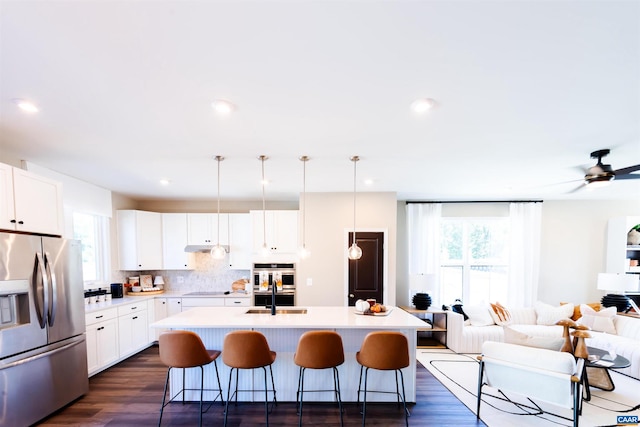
{"points": [[130, 393]]}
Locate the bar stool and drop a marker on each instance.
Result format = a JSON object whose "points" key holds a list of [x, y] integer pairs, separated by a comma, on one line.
{"points": [[248, 350], [319, 350], [184, 349], [385, 351]]}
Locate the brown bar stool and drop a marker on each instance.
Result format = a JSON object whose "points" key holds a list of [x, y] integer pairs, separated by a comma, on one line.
{"points": [[319, 350], [248, 350], [385, 351], [184, 349]]}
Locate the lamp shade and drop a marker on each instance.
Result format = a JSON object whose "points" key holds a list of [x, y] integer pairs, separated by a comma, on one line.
{"points": [[158, 280], [614, 282]]}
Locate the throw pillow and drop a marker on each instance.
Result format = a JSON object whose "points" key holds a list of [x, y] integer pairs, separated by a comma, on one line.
{"points": [[549, 315], [457, 308], [576, 309], [500, 314], [479, 315], [511, 336], [599, 321]]}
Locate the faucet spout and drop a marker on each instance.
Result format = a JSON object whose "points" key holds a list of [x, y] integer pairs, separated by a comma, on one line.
{"points": [[273, 299]]}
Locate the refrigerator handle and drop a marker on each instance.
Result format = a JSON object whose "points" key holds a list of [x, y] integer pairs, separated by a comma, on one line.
{"points": [[41, 287], [53, 307]]}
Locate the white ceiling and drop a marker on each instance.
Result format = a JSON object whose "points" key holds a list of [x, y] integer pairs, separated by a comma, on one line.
{"points": [[525, 91]]}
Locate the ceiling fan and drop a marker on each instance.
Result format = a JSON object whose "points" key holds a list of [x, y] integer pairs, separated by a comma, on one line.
{"points": [[601, 174]]}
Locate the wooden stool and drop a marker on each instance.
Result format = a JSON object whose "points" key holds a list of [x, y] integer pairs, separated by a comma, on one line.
{"points": [[578, 327], [384, 351], [319, 350], [248, 350], [567, 347], [184, 349], [580, 349]]}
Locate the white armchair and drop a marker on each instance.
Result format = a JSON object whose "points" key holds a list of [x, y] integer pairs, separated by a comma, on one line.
{"points": [[536, 373]]}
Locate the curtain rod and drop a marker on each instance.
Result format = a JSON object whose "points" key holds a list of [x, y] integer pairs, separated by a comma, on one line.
{"points": [[410, 202]]}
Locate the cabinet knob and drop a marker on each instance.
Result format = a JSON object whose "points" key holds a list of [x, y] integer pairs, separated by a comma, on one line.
{"points": [[20, 222], [351, 296], [13, 221]]}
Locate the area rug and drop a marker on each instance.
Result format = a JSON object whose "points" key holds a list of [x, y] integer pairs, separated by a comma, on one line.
{"points": [[459, 373]]}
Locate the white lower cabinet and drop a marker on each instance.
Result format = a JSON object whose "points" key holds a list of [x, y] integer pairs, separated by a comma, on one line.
{"points": [[132, 328], [160, 311], [102, 339], [188, 303], [174, 306]]}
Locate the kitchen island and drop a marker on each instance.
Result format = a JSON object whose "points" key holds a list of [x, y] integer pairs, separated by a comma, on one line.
{"points": [[282, 332]]}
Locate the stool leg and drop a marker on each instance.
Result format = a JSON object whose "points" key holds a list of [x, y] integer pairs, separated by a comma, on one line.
{"points": [[359, 384], [226, 407], [236, 393], [336, 385], [215, 365], [364, 400], [201, 393], [397, 390], [273, 386], [183, 376], [164, 396], [301, 389], [404, 400], [266, 397]]}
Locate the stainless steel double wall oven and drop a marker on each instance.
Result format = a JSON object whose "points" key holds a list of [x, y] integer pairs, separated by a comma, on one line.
{"points": [[282, 276]]}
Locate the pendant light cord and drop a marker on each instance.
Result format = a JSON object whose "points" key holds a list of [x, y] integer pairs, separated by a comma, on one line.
{"points": [[264, 213], [304, 198], [218, 158], [355, 160]]}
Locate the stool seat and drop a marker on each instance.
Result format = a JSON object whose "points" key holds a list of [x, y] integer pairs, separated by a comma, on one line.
{"points": [[319, 350], [184, 349], [385, 351], [248, 350]]}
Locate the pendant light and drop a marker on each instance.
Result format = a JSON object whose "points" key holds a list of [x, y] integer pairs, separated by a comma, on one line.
{"points": [[354, 250], [218, 252], [265, 249], [304, 252]]}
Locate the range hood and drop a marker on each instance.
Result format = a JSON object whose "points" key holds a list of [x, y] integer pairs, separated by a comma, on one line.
{"points": [[203, 248]]}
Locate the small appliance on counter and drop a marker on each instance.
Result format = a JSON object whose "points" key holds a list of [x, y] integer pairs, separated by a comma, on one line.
{"points": [[117, 290]]}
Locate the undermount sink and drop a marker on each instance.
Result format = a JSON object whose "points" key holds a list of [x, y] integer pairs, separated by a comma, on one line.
{"points": [[278, 311]]}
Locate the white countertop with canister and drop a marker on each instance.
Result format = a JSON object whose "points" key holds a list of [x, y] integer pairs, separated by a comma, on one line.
{"points": [[283, 331], [143, 296]]}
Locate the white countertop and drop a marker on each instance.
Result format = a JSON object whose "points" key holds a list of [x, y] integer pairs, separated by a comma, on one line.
{"points": [[115, 302], [316, 317]]}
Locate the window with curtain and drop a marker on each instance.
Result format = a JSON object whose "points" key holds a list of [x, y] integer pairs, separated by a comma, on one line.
{"points": [[93, 233], [474, 259]]}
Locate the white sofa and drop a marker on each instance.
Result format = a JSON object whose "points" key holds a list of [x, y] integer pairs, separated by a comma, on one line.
{"points": [[463, 338]]}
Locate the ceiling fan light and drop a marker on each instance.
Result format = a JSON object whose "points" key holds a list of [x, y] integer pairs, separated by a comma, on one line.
{"points": [[599, 181]]}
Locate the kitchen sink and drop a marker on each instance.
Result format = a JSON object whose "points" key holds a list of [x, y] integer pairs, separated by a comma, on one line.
{"points": [[278, 311]]}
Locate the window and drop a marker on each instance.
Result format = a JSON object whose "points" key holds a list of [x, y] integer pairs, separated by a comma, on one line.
{"points": [[93, 233], [474, 259]]}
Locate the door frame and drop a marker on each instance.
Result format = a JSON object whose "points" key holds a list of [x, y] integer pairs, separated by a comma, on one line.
{"points": [[385, 261]]}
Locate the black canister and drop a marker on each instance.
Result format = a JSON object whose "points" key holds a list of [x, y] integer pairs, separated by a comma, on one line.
{"points": [[116, 290]]}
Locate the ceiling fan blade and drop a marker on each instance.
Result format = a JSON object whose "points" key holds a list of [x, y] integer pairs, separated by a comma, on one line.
{"points": [[626, 170], [578, 188], [627, 176]]}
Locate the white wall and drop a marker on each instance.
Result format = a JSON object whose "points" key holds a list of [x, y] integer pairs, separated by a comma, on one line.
{"points": [[329, 217]]}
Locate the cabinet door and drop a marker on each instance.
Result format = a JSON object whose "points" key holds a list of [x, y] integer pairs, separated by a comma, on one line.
{"points": [[132, 332], [174, 306], [240, 241], [160, 311], [91, 338], [107, 342], [286, 231], [174, 239], [139, 240], [262, 230], [203, 228], [38, 203], [140, 328], [7, 209]]}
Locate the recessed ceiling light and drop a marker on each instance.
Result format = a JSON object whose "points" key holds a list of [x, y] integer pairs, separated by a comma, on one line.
{"points": [[25, 105], [223, 107], [422, 105], [165, 181]]}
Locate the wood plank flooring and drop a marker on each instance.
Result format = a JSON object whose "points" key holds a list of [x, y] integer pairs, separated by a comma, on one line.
{"points": [[130, 393]]}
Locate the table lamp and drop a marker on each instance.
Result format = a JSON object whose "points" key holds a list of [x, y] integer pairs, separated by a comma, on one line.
{"points": [[617, 284], [420, 285], [158, 282]]}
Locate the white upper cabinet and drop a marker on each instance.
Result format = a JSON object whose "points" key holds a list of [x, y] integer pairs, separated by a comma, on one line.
{"points": [[139, 240], [174, 240], [240, 241], [621, 257], [281, 233], [29, 202], [203, 228]]}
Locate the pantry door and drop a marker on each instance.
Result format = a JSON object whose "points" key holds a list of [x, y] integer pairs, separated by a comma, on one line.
{"points": [[366, 275]]}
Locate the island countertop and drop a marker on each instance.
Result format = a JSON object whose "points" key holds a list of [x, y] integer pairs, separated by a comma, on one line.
{"points": [[315, 317]]}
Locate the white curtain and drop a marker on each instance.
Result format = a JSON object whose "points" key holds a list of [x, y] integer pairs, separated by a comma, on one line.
{"points": [[524, 253], [423, 235]]}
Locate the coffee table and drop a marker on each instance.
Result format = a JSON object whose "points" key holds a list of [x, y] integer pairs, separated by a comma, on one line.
{"points": [[596, 370]]}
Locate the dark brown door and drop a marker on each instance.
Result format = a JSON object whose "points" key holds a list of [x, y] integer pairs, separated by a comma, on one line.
{"points": [[367, 273]]}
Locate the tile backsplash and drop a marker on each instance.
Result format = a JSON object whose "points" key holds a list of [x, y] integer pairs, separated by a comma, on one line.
{"points": [[209, 275]]}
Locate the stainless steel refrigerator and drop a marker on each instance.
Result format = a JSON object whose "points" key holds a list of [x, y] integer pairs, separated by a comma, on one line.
{"points": [[43, 354]]}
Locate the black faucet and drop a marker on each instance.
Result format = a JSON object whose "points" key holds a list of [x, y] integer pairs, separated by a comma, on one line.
{"points": [[273, 298]]}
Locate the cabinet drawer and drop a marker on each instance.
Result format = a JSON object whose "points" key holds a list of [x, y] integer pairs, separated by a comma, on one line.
{"points": [[132, 308], [202, 302], [237, 302], [100, 316]]}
